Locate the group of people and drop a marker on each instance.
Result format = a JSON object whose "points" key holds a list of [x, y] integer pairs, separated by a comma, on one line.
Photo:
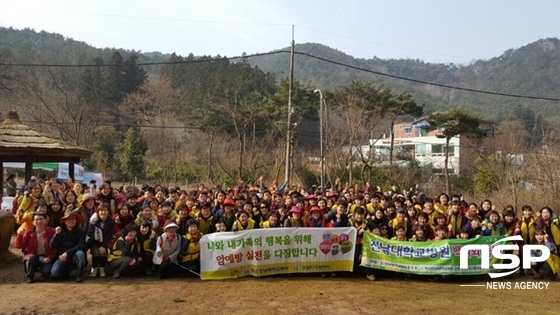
{"points": [[156, 230]]}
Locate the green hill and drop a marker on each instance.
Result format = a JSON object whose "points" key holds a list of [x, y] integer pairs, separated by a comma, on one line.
{"points": [[533, 70]]}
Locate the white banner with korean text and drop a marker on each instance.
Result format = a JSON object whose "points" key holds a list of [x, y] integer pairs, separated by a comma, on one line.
{"points": [[263, 252]]}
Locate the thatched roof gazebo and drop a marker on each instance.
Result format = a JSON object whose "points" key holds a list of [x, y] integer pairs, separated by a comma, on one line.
{"points": [[20, 143]]}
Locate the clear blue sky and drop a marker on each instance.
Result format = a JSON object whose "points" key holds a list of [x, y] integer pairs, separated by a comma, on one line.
{"points": [[456, 31]]}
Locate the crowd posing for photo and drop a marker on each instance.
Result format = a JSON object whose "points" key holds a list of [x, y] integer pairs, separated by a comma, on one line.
{"points": [[156, 230]]}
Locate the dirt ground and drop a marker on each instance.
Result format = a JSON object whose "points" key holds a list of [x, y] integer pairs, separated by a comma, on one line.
{"points": [[293, 294]]}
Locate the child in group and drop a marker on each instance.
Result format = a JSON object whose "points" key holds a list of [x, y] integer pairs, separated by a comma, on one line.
{"points": [[492, 225], [190, 256]]}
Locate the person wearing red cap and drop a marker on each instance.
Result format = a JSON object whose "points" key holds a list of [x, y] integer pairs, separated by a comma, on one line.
{"points": [[316, 218], [228, 216]]}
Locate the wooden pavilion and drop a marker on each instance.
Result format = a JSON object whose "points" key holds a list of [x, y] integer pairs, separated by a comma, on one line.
{"points": [[20, 143]]}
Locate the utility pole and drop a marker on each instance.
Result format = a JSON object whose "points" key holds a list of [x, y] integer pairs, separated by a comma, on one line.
{"points": [[321, 138], [289, 131]]}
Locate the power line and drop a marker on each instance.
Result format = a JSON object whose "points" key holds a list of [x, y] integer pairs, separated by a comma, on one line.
{"points": [[430, 83], [532, 97], [158, 63]]}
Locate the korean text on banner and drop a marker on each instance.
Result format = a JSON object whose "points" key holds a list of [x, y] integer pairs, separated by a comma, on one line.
{"points": [[264, 252], [423, 258]]}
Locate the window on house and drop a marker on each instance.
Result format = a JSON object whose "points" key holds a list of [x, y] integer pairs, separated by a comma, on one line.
{"points": [[420, 150], [438, 150], [421, 131], [407, 129]]}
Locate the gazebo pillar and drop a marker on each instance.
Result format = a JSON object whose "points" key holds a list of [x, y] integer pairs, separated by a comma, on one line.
{"points": [[28, 171], [2, 182], [71, 170]]}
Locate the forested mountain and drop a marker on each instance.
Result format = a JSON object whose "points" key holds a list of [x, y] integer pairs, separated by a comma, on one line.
{"points": [[532, 70]]}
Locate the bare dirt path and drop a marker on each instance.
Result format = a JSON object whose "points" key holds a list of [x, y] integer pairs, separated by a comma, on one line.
{"points": [[292, 294]]}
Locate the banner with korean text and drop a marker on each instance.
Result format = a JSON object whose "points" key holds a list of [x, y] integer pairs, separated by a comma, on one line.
{"points": [[264, 252], [423, 258]]}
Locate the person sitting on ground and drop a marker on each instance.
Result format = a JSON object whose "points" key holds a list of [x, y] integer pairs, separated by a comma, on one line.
{"points": [[125, 251], [147, 241], [190, 256], [99, 234], [70, 242], [168, 247], [35, 242], [549, 268]]}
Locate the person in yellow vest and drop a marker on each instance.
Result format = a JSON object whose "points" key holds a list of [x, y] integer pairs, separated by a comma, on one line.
{"points": [[243, 222], [442, 206], [548, 222], [124, 253], [205, 219], [545, 269], [24, 215], [190, 256]]}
